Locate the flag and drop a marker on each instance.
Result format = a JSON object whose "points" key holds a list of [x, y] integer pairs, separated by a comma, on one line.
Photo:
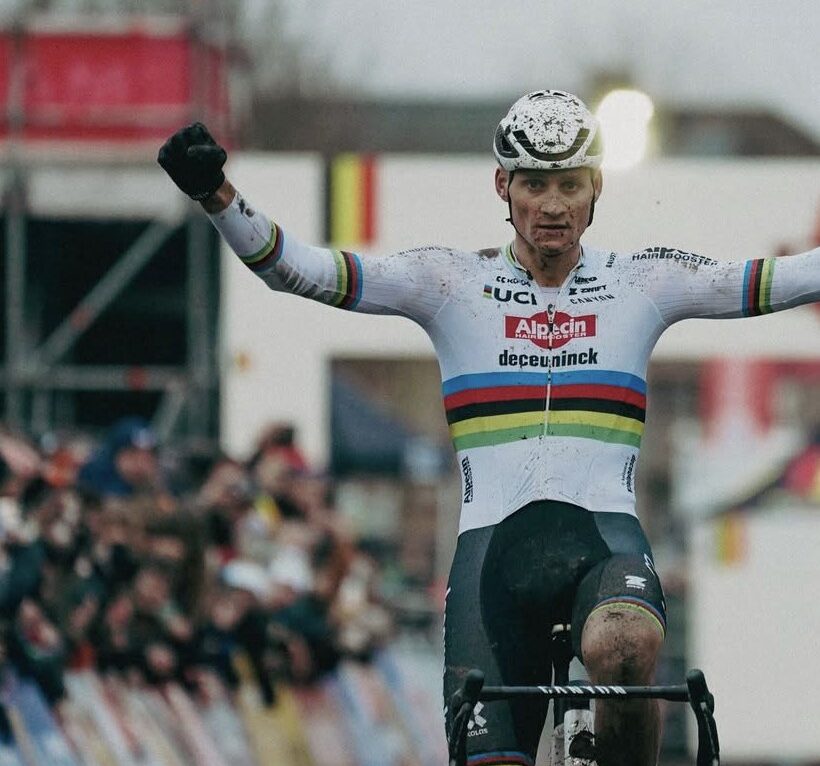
{"points": [[350, 211]]}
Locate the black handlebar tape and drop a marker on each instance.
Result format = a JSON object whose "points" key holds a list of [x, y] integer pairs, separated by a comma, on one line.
{"points": [[463, 702], [473, 683], [703, 704], [698, 691]]}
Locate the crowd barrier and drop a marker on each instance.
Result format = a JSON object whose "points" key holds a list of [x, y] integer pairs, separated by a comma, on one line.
{"points": [[383, 713]]}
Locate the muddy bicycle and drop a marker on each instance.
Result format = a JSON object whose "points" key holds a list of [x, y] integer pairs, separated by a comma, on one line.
{"points": [[573, 712]]}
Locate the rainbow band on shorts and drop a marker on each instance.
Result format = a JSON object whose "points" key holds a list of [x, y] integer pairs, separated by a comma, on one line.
{"points": [[636, 605], [500, 758]]}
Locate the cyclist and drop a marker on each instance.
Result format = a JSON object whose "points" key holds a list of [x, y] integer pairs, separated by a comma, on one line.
{"points": [[543, 346]]}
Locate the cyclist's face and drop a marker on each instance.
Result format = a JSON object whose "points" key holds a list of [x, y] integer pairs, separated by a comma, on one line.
{"points": [[550, 208]]}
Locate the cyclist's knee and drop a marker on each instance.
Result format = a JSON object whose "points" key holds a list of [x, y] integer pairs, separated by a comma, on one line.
{"points": [[620, 645]]}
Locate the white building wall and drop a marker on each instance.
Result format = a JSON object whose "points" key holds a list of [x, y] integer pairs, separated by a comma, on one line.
{"points": [[276, 348], [754, 627]]}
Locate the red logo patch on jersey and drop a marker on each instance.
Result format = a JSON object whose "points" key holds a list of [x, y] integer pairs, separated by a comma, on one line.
{"points": [[537, 328]]}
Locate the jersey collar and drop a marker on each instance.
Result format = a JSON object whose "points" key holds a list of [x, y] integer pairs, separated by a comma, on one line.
{"points": [[513, 263]]}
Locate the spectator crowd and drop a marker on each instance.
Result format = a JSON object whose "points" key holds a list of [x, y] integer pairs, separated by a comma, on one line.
{"points": [[159, 565]]}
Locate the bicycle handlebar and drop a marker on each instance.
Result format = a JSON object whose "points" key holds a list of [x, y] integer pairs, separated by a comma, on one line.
{"points": [[695, 692], [587, 692], [702, 702], [462, 704]]}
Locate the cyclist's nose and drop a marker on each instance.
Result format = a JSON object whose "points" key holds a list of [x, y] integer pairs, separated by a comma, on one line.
{"points": [[553, 204]]}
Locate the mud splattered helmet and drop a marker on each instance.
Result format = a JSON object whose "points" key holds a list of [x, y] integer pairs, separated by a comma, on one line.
{"points": [[548, 130]]}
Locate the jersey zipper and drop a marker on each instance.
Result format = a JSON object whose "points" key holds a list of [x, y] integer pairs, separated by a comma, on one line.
{"points": [[552, 310]]}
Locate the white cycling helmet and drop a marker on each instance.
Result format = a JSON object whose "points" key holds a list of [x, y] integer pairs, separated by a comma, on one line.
{"points": [[548, 130]]}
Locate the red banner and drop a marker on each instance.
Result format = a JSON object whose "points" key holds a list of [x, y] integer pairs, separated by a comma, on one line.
{"points": [[129, 86], [5, 69]]}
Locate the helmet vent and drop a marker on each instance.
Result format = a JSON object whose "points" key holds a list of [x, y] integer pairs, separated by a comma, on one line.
{"points": [[503, 146], [527, 146]]}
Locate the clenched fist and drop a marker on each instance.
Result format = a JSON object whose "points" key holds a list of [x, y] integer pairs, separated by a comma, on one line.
{"points": [[194, 161]]}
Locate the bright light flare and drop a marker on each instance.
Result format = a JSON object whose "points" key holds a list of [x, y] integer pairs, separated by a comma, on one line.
{"points": [[624, 116]]}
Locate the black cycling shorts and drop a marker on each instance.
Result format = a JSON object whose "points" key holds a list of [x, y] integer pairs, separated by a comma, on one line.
{"points": [[545, 564]]}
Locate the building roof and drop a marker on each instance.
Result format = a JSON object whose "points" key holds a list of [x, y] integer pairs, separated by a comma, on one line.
{"points": [[335, 125]]}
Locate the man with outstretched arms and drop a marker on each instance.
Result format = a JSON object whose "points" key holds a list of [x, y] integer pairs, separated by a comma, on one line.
{"points": [[543, 346]]}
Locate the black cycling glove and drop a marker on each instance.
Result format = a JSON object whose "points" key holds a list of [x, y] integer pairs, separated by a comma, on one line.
{"points": [[194, 161]]}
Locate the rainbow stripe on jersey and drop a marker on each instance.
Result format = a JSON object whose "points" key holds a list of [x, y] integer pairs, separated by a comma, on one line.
{"points": [[348, 291], [757, 287], [486, 409], [264, 258]]}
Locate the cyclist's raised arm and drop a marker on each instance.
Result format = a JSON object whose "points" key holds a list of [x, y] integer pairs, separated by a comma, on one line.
{"points": [[685, 285], [409, 284], [414, 284]]}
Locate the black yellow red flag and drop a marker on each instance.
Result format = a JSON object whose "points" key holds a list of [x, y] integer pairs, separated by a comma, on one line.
{"points": [[351, 200]]}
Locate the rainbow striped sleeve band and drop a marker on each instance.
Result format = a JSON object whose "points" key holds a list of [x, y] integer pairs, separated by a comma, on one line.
{"points": [[348, 291], [757, 287], [250, 234], [486, 409], [268, 254]]}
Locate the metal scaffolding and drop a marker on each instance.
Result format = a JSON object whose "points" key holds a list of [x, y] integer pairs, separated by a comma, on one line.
{"points": [[37, 371], [35, 368]]}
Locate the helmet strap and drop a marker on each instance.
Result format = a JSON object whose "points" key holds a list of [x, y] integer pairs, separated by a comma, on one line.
{"points": [[509, 204], [512, 223], [592, 204]]}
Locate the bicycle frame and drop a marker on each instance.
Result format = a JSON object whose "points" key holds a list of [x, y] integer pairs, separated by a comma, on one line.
{"points": [[564, 727], [695, 692]]}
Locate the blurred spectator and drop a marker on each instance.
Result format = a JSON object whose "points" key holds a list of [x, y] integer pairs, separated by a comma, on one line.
{"points": [[159, 634], [279, 442], [19, 463], [36, 648], [21, 552], [101, 567], [126, 464]]}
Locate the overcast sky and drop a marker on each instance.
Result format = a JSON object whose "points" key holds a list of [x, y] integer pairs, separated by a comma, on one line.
{"points": [[738, 52]]}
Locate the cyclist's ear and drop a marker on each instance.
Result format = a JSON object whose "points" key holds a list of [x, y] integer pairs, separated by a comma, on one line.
{"points": [[597, 183], [502, 184], [502, 181]]}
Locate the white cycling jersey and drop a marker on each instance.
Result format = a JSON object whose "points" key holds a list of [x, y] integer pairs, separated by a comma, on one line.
{"points": [[544, 388]]}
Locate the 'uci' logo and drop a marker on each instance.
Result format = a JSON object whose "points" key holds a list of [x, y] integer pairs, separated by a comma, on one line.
{"points": [[505, 295]]}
